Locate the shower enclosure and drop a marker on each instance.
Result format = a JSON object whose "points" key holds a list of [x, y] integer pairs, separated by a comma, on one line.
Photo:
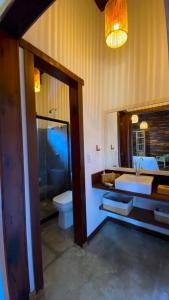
{"points": [[54, 162]]}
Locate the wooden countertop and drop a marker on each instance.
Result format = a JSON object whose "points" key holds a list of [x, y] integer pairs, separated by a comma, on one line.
{"points": [[158, 179]]}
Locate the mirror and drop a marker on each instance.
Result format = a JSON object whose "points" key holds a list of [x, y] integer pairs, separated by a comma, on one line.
{"points": [[150, 140], [140, 138], [111, 141]]}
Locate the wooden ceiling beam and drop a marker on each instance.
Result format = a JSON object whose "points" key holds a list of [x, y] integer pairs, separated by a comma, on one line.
{"points": [[101, 4], [21, 14]]}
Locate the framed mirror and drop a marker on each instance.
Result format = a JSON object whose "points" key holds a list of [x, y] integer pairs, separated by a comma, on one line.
{"points": [[138, 139]]}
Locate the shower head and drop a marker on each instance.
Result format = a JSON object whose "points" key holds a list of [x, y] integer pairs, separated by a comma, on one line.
{"points": [[52, 110]]}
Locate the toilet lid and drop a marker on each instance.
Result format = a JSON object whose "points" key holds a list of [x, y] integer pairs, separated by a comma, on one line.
{"points": [[63, 198]]}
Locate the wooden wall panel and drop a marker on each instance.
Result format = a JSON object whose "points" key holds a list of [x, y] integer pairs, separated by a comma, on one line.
{"points": [[157, 135], [11, 156]]}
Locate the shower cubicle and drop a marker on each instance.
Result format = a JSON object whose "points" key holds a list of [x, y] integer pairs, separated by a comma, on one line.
{"points": [[54, 162]]}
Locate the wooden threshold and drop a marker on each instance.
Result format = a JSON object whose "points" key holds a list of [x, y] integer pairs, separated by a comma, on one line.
{"points": [[141, 215]]}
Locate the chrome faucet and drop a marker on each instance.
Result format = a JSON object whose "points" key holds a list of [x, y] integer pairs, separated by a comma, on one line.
{"points": [[138, 166]]}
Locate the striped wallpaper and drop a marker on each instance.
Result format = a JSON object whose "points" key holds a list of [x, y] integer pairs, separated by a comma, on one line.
{"points": [[53, 99], [72, 32], [138, 73]]}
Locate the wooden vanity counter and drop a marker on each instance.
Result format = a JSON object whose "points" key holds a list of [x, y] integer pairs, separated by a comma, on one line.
{"points": [[140, 214], [158, 179]]}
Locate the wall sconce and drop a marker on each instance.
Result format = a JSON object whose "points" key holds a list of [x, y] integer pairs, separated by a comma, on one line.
{"points": [[143, 125], [134, 119], [98, 148], [36, 80]]}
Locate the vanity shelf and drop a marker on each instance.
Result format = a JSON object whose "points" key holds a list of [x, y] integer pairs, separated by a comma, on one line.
{"points": [[142, 215], [154, 195], [97, 184]]}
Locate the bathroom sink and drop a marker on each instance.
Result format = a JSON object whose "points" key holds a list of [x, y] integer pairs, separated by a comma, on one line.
{"points": [[132, 183]]}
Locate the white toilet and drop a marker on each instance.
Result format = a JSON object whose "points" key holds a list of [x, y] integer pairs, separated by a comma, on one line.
{"points": [[63, 203]]}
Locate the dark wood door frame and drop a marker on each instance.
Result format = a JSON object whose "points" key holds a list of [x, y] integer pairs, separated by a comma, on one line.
{"points": [[11, 169], [19, 15], [34, 57], [124, 137]]}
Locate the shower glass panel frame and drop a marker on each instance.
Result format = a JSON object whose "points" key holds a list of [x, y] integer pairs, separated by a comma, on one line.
{"points": [[53, 137]]}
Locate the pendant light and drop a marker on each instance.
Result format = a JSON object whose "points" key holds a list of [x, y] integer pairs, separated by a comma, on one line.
{"points": [[36, 80], [143, 125], [134, 119], [116, 23]]}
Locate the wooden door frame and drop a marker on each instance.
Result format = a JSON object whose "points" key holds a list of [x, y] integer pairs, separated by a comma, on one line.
{"points": [[124, 138], [35, 57], [12, 172], [3, 262]]}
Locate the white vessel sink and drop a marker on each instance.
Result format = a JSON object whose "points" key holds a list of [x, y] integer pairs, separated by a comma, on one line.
{"points": [[132, 183]]}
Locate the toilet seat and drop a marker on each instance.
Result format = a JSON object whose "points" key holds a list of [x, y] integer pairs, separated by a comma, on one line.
{"points": [[64, 198], [63, 201]]}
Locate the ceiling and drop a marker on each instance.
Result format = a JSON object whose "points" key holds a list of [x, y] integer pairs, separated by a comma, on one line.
{"points": [[21, 14], [101, 4]]}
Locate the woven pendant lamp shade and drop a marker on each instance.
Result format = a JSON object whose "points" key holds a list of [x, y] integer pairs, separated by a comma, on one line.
{"points": [[116, 23]]}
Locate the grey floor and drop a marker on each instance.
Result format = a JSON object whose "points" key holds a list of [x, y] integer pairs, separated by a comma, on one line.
{"points": [[46, 208], [119, 263]]}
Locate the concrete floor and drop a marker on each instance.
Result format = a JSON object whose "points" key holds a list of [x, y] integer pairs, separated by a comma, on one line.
{"points": [[119, 263]]}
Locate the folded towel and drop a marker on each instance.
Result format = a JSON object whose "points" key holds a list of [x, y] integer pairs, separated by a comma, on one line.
{"points": [[163, 189]]}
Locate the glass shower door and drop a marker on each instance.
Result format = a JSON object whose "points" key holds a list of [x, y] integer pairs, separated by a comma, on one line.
{"points": [[54, 162]]}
